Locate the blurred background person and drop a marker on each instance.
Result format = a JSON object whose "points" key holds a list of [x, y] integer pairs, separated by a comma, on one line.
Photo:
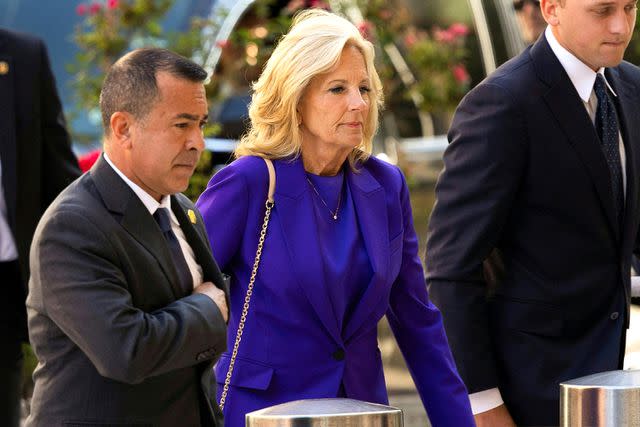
{"points": [[530, 19], [340, 251], [36, 163]]}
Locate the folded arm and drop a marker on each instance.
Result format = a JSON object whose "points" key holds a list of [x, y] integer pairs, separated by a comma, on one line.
{"points": [[78, 275]]}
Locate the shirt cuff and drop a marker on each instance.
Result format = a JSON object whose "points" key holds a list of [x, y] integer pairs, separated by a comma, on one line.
{"points": [[483, 401]]}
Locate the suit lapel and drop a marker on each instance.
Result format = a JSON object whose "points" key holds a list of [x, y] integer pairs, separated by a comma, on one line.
{"points": [[294, 207], [135, 218], [627, 101], [8, 142], [199, 244], [371, 209], [571, 115]]}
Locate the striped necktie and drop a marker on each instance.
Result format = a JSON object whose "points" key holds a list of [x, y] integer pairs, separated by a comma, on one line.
{"points": [[186, 280]]}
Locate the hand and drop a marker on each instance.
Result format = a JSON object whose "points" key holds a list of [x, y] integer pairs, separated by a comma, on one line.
{"points": [[496, 417], [216, 295]]}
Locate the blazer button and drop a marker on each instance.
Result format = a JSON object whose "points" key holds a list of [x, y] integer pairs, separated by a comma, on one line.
{"points": [[338, 354], [614, 315]]}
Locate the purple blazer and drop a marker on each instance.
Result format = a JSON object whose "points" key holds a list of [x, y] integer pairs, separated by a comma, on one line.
{"points": [[292, 347]]}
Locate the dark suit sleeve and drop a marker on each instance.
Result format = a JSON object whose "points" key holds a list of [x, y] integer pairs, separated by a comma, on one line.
{"points": [[78, 278], [60, 166], [483, 167], [417, 326]]}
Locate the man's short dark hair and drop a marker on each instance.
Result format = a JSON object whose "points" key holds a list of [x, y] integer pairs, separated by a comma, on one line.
{"points": [[130, 84]]}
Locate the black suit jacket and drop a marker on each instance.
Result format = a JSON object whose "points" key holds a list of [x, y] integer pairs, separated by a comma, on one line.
{"points": [[116, 338], [525, 181], [35, 151]]}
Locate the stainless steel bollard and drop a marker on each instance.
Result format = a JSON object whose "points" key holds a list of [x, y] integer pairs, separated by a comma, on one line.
{"points": [[607, 399], [326, 413]]}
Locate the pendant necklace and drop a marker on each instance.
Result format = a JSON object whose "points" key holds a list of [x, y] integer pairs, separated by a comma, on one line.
{"points": [[334, 214]]}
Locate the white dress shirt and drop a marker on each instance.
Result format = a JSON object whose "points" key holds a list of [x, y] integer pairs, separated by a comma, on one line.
{"points": [[152, 205], [8, 249], [583, 79]]}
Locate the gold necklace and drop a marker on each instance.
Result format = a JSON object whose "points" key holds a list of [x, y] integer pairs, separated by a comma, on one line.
{"points": [[334, 215]]}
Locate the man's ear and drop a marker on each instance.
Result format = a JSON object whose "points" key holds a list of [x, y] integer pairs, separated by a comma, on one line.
{"points": [[549, 10], [121, 124]]}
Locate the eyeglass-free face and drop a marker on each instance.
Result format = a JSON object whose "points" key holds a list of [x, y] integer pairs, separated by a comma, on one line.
{"points": [[596, 32]]}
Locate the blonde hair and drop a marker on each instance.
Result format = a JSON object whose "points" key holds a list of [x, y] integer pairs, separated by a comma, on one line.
{"points": [[313, 46]]}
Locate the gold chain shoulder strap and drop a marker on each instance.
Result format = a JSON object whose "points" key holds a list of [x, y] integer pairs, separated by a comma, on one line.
{"points": [[247, 299]]}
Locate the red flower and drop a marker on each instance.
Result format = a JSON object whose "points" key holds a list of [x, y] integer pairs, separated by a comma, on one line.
{"points": [[223, 44], [112, 4], [410, 39], [81, 9], [366, 29], [87, 160], [94, 8], [460, 73], [444, 36], [320, 4], [459, 29]]}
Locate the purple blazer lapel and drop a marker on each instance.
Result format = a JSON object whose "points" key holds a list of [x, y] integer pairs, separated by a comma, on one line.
{"points": [[295, 210], [371, 209]]}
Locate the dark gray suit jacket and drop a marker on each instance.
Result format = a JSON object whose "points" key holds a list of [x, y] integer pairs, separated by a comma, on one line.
{"points": [[525, 179], [118, 342]]}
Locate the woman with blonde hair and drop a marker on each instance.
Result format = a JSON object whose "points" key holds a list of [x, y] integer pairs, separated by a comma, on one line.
{"points": [[340, 249]]}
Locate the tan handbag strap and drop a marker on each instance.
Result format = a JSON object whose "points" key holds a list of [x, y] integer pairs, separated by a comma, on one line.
{"points": [[272, 180], [247, 298]]}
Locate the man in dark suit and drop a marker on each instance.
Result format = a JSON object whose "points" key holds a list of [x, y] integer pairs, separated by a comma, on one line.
{"points": [[540, 185], [126, 308], [36, 163]]}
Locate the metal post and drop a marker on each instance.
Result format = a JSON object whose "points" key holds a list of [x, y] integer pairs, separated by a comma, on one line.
{"points": [[326, 413], [607, 399]]}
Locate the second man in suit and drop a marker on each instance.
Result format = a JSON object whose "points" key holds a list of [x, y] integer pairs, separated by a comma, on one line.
{"points": [[541, 185], [126, 308]]}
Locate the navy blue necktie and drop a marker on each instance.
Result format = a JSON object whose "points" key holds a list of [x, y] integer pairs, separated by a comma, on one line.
{"points": [[186, 280], [607, 128]]}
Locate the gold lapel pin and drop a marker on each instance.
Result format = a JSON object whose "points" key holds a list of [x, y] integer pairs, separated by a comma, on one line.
{"points": [[4, 68], [192, 216]]}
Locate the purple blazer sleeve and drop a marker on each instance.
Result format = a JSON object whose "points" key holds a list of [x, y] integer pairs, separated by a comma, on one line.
{"points": [[418, 329], [224, 206]]}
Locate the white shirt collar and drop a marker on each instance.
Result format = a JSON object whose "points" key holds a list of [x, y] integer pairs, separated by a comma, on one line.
{"points": [[580, 74], [149, 202]]}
